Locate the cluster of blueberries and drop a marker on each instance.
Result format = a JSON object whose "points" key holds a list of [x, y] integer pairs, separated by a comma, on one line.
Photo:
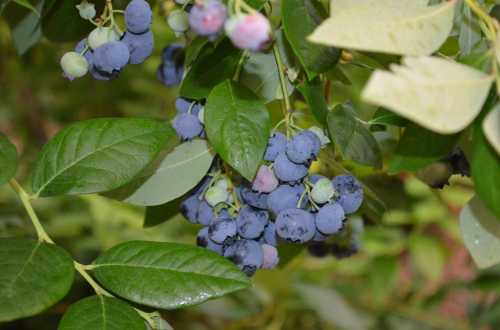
{"points": [[250, 31], [282, 204], [106, 51]]}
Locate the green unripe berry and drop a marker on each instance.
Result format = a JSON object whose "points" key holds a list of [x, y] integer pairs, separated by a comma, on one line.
{"points": [[86, 10], [216, 195], [322, 191], [101, 35], [74, 65], [178, 20]]}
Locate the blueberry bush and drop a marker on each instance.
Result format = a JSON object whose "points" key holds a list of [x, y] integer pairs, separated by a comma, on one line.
{"points": [[227, 150]]}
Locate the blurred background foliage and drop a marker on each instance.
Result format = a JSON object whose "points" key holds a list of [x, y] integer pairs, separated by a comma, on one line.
{"points": [[412, 270]]}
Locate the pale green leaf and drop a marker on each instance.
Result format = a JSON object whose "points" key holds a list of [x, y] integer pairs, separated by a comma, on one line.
{"points": [[177, 173], [438, 94], [405, 27], [481, 233], [491, 128]]}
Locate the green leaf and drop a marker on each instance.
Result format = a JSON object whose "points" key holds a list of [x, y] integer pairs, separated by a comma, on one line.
{"points": [[238, 126], [194, 49], [26, 4], [101, 313], [61, 21], [491, 128], [8, 159], [405, 27], [300, 18], [313, 93], [470, 30], [428, 256], [213, 66], [419, 147], [34, 276], [354, 140], [438, 94], [481, 233], [98, 155], [26, 31], [385, 117], [176, 174], [171, 275], [260, 74], [485, 165], [156, 215]]}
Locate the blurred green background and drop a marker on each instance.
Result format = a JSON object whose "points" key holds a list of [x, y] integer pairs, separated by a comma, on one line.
{"points": [[412, 271]]}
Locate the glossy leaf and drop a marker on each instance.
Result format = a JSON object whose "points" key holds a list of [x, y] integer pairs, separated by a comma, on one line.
{"points": [[98, 155], [313, 93], [8, 159], [440, 95], [238, 126], [176, 174], [101, 313], [481, 233], [354, 140], [405, 27], [300, 18], [491, 128], [34, 277], [419, 147], [171, 275], [213, 66]]}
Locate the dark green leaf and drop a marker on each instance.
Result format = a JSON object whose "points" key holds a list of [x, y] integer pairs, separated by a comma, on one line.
{"points": [[354, 140], [26, 4], [485, 165], [156, 215], [25, 26], [171, 275], [238, 126], [385, 117], [34, 276], [61, 21], [313, 93], [8, 160], [101, 313], [213, 66], [98, 155], [420, 147], [300, 19], [288, 252], [194, 49]]}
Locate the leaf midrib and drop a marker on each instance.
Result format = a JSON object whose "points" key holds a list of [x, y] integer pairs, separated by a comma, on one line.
{"points": [[21, 271], [83, 157]]}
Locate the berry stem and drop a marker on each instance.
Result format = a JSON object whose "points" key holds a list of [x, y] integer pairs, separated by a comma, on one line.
{"points": [[284, 89], [237, 73]]}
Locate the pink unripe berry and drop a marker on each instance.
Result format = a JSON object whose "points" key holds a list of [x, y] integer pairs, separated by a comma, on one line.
{"points": [[265, 181], [250, 32], [207, 18]]}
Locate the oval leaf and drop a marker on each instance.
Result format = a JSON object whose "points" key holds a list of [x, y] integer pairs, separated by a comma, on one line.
{"points": [[300, 18], [481, 233], [313, 93], [491, 128], [238, 126], [8, 159], [34, 276], [438, 94], [177, 173], [171, 275], [98, 155], [101, 313], [355, 141], [405, 27]]}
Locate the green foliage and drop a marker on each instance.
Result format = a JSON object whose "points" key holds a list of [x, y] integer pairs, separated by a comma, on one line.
{"points": [[34, 276], [167, 280], [8, 159]]}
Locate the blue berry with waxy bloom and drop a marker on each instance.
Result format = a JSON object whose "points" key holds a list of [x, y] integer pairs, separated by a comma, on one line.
{"points": [[205, 213], [271, 258], [204, 241], [207, 17], [183, 105], [138, 16], [223, 231], [300, 149], [319, 237], [255, 199], [285, 197], [350, 192], [287, 170], [330, 219], [189, 208], [276, 145], [251, 223], [246, 254], [140, 46], [111, 57], [315, 141], [295, 225], [171, 69], [269, 236], [187, 126]]}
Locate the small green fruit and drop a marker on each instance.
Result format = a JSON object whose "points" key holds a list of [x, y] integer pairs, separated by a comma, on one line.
{"points": [[322, 191], [74, 65]]}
